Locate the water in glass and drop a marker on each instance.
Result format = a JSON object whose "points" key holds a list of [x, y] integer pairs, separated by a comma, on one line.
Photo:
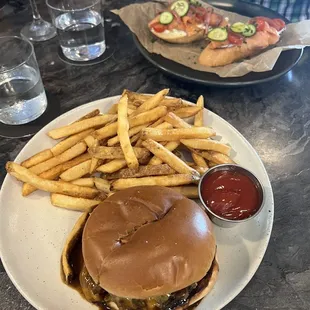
{"points": [[81, 34], [22, 95]]}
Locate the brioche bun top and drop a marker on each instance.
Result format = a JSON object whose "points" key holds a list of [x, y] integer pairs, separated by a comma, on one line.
{"points": [[147, 241]]}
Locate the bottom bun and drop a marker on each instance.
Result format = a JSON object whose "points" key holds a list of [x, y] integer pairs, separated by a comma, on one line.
{"points": [[209, 281], [205, 285], [224, 56], [179, 37]]}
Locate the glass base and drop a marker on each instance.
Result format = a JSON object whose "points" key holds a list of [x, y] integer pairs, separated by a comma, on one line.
{"points": [[17, 131], [39, 30], [24, 111], [108, 53], [84, 52]]}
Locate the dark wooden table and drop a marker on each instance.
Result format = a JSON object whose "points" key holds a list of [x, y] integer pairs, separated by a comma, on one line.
{"points": [[274, 117]]}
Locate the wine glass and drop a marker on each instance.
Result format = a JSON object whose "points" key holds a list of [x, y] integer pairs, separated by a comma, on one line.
{"points": [[38, 29]]}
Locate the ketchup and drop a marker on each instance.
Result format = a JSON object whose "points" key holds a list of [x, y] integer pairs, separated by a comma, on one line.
{"points": [[230, 194]]}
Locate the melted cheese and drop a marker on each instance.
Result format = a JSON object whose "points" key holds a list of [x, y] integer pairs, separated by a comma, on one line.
{"points": [[171, 34], [175, 33], [201, 26]]}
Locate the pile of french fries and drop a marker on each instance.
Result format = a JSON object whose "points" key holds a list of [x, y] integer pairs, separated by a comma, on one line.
{"points": [[137, 142]]}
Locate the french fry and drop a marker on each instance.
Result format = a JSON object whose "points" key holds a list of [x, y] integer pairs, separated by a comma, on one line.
{"points": [[191, 164], [76, 172], [163, 125], [170, 146], [102, 185], [74, 203], [186, 112], [167, 180], [147, 117], [168, 157], [75, 161], [37, 158], [142, 118], [69, 142], [215, 157], [55, 172], [79, 126], [74, 236], [176, 134], [51, 174], [201, 169], [134, 139], [113, 109], [172, 103], [143, 160], [131, 132], [112, 166], [101, 196], [131, 106], [25, 175], [129, 111], [88, 182], [67, 155], [152, 102], [117, 164], [89, 115], [143, 171], [176, 121], [107, 131], [199, 161], [92, 142], [198, 122], [212, 164], [122, 133], [138, 99], [114, 152], [94, 163], [208, 145], [158, 122], [189, 191], [135, 98]]}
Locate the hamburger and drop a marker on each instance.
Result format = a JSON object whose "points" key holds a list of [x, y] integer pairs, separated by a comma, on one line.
{"points": [[147, 247]]}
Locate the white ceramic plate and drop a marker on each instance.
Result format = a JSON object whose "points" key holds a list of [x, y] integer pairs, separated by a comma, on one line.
{"points": [[32, 231]]}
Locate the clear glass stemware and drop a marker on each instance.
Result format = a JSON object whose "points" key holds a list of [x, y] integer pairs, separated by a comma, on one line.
{"points": [[38, 29]]}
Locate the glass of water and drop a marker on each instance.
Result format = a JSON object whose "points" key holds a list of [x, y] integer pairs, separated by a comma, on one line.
{"points": [[80, 27], [22, 95]]}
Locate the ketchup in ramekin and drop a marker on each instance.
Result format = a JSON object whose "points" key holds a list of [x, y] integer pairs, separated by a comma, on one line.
{"points": [[230, 194]]}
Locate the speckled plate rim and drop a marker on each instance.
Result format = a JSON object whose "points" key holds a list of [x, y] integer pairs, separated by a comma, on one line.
{"points": [[228, 233]]}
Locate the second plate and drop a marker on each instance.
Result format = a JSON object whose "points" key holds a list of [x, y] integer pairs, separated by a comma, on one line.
{"points": [[285, 62]]}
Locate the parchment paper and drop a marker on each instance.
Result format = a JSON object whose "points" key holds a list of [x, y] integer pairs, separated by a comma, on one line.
{"points": [[137, 17]]}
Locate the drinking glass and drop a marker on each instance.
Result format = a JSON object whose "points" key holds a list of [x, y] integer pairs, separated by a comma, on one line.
{"points": [[39, 29], [22, 95], [80, 28]]}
